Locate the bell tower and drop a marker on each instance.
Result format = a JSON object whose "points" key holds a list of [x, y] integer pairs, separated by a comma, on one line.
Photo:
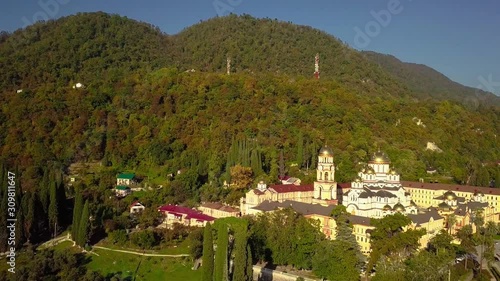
{"points": [[325, 187]]}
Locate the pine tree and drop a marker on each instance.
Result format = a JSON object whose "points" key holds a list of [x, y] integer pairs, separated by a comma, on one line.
{"points": [[220, 270], [77, 214], [53, 209], [208, 254], [83, 226]]}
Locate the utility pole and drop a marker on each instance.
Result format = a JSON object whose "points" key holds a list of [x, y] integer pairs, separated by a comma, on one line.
{"points": [[316, 66]]}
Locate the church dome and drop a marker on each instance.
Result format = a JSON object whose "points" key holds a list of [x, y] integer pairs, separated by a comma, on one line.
{"points": [[478, 193], [444, 206], [387, 208], [380, 157], [326, 151], [392, 171], [399, 207], [450, 195]]}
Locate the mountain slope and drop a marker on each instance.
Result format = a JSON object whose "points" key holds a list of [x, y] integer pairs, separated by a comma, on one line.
{"points": [[426, 82], [87, 47], [265, 45], [135, 114]]}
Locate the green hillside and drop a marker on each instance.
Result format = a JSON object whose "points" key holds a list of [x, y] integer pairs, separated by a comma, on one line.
{"points": [[135, 115], [426, 82]]}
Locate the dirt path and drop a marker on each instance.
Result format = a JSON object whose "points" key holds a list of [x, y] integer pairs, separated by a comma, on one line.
{"points": [[141, 254]]}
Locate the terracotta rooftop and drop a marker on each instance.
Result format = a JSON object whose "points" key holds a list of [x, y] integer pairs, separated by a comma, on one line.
{"points": [[284, 188], [190, 213]]}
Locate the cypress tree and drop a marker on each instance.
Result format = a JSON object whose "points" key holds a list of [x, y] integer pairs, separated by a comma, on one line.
{"points": [[44, 191], [77, 214], [220, 270], [29, 211], [53, 211], [208, 254], [83, 225], [483, 177], [240, 256], [19, 227], [249, 267], [300, 150]]}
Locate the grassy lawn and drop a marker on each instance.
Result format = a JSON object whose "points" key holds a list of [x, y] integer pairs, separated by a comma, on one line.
{"points": [[182, 248], [147, 268]]}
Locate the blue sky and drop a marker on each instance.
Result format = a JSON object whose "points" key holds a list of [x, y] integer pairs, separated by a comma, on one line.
{"points": [[460, 38]]}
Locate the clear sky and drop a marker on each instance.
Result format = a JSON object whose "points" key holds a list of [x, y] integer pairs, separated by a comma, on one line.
{"points": [[460, 38]]}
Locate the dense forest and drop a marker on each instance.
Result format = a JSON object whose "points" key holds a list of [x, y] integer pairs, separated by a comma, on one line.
{"points": [[139, 109], [427, 82]]}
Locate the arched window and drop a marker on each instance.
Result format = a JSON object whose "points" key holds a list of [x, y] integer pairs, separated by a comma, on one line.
{"points": [[326, 176]]}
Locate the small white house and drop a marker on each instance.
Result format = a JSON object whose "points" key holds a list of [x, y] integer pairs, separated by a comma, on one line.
{"points": [[19, 91], [78, 86], [136, 207], [125, 179]]}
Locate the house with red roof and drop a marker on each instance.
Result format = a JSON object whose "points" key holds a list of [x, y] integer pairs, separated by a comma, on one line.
{"points": [[136, 207], [183, 215]]}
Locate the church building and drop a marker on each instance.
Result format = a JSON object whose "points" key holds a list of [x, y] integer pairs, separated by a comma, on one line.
{"points": [[377, 191]]}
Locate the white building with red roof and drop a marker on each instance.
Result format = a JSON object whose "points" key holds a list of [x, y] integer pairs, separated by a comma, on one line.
{"points": [[183, 215]]}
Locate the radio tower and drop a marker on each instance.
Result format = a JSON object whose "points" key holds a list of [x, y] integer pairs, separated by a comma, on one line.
{"points": [[228, 66], [316, 66]]}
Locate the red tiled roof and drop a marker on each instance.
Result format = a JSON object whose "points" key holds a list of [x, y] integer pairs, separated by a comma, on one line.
{"points": [[452, 187], [135, 203], [258, 192], [283, 188], [191, 214]]}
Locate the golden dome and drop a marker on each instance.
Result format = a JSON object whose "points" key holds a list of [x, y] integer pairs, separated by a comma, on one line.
{"points": [[326, 151], [380, 157], [450, 195], [387, 208], [399, 207]]}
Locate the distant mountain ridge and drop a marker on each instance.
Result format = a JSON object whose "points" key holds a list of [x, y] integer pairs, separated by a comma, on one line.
{"points": [[429, 83], [104, 48]]}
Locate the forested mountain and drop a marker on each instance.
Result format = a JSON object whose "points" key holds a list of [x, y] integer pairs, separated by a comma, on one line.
{"points": [[96, 48], [138, 111], [426, 82], [266, 45]]}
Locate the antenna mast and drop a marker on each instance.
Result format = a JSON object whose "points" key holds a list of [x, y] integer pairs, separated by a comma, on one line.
{"points": [[316, 66], [228, 66]]}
